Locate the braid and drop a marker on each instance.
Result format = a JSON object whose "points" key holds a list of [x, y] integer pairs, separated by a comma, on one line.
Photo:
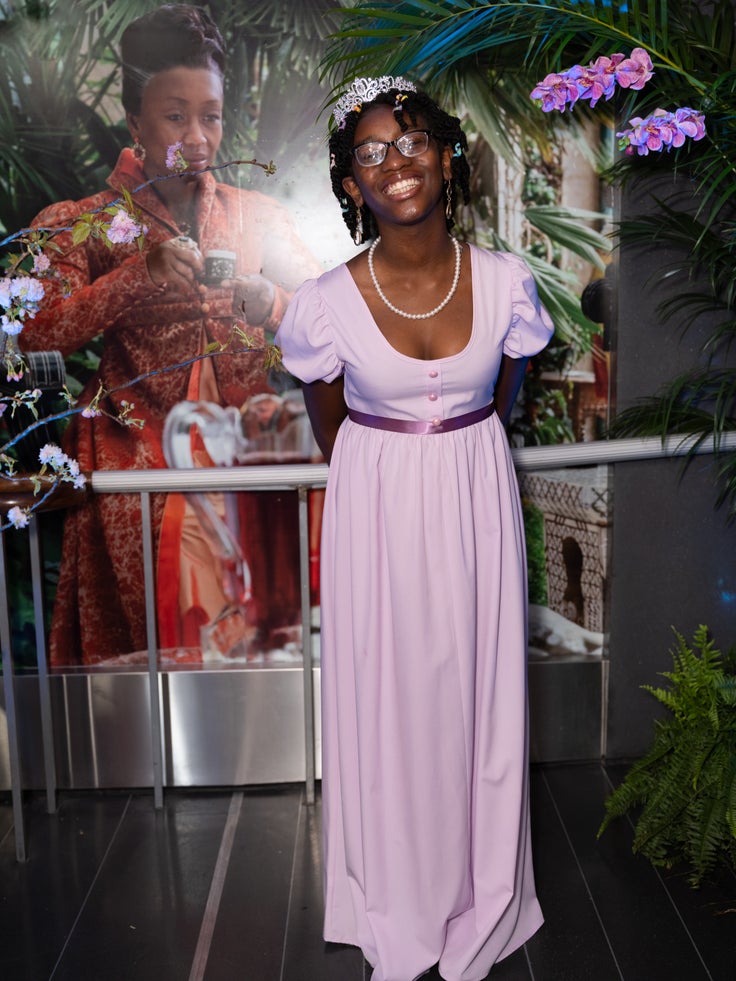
{"points": [[444, 127]]}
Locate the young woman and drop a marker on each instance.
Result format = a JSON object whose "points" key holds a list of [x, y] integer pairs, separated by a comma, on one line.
{"points": [[412, 355], [154, 312]]}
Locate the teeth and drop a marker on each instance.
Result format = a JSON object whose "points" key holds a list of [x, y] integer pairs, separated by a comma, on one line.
{"points": [[400, 186]]}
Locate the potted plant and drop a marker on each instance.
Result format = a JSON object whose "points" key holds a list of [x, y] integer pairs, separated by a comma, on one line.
{"points": [[685, 785]]}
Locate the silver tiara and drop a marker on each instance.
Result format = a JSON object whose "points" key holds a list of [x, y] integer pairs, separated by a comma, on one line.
{"points": [[365, 90]]}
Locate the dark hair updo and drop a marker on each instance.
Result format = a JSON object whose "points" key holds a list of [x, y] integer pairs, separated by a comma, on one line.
{"points": [[172, 36], [445, 128]]}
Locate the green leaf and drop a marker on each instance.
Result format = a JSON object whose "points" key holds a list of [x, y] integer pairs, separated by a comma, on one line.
{"points": [[566, 227], [81, 232]]}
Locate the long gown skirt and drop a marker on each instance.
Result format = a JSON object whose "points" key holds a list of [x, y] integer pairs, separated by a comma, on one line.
{"points": [[424, 702]]}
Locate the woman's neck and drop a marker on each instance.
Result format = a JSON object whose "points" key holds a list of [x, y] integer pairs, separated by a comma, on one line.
{"points": [[180, 198], [418, 245]]}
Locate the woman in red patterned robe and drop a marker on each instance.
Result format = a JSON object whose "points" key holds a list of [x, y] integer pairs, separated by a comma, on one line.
{"points": [[153, 312]]}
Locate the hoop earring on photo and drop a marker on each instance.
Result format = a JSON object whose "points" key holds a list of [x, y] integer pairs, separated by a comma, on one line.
{"points": [[139, 151], [358, 235], [448, 196]]}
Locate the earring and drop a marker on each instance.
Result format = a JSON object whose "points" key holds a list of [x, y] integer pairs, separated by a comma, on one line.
{"points": [[358, 234], [448, 196], [139, 151]]}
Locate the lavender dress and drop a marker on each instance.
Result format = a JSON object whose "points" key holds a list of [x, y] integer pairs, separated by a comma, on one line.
{"points": [[426, 821]]}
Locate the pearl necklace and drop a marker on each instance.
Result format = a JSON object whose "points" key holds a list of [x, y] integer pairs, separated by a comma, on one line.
{"points": [[417, 316]]}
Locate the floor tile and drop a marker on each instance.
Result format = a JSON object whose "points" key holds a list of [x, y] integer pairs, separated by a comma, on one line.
{"points": [[41, 899], [307, 956], [116, 891], [142, 918], [646, 933], [250, 933], [572, 944]]}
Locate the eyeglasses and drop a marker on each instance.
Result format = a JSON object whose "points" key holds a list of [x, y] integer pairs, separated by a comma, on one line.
{"points": [[408, 144]]}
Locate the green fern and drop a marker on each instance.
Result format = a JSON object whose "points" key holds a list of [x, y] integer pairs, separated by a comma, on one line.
{"points": [[685, 785]]}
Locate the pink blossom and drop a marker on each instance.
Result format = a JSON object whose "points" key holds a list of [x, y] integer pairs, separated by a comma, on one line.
{"points": [[652, 132], [41, 262], [598, 80], [661, 130], [123, 228], [27, 289], [635, 71], [175, 158], [20, 296], [51, 453], [18, 517], [690, 122], [555, 91], [11, 325], [90, 412], [595, 81], [62, 465]]}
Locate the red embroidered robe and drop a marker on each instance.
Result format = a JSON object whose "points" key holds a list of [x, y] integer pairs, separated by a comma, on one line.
{"points": [[99, 610]]}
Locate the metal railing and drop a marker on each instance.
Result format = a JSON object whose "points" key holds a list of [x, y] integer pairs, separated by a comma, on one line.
{"points": [[295, 477]]}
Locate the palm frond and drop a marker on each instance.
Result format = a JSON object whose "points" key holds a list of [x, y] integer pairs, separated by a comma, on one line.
{"points": [[567, 227], [422, 37], [697, 402], [699, 405]]}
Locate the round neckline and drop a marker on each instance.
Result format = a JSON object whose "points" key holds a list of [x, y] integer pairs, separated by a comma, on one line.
{"points": [[409, 357]]}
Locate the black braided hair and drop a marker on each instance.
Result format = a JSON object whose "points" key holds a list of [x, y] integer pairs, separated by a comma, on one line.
{"points": [[171, 36], [445, 128]]}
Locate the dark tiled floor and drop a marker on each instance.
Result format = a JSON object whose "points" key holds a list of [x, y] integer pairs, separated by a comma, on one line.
{"points": [[226, 886]]}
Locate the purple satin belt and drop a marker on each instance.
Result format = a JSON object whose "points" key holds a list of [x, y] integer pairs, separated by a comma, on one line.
{"points": [[422, 428]]}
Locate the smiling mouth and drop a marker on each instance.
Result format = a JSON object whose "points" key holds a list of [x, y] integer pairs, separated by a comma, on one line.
{"points": [[400, 187]]}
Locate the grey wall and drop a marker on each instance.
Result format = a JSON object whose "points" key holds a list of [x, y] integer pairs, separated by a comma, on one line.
{"points": [[673, 553]]}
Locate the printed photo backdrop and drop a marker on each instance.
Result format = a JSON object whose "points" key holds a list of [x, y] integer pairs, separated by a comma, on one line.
{"points": [[66, 127]]}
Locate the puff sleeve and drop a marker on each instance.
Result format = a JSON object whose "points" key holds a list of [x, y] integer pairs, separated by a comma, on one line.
{"points": [[531, 326], [306, 338]]}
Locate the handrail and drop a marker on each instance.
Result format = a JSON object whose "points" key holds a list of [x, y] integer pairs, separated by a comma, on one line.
{"points": [[284, 476]]}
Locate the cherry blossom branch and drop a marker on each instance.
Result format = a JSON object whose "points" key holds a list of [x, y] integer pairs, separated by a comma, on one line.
{"points": [[118, 221], [126, 197], [66, 469]]}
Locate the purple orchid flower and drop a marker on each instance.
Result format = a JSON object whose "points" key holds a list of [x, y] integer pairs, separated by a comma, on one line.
{"points": [[595, 81], [661, 130], [635, 71], [556, 90]]}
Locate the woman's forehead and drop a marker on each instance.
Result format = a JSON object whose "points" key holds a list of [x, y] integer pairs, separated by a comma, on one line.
{"points": [[382, 123], [186, 84]]}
